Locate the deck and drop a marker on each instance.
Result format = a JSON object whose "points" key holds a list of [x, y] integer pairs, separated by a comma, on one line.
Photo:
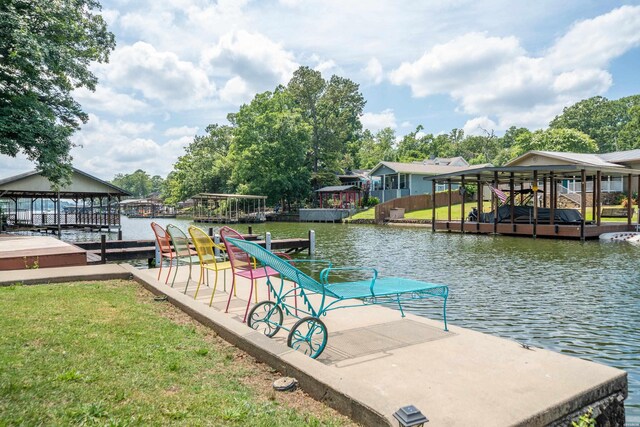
{"points": [[31, 252], [563, 231]]}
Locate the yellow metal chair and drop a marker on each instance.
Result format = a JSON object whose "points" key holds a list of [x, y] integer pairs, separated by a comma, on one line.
{"points": [[205, 247]]}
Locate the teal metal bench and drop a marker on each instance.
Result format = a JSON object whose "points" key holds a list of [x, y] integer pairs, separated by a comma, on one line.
{"points": [[309, 333]]}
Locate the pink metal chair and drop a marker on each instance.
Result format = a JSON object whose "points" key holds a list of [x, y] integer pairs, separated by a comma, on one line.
{"points": [[242, 265], [164, 247]]}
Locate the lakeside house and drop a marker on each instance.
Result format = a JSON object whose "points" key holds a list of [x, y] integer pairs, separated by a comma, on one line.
{"points": [[395, 179]]}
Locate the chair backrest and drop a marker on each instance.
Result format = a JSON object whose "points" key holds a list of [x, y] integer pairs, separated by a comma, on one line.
{"points": [[179, 240], [203, 244], [269, 259], [239, 259], [163, 239]]}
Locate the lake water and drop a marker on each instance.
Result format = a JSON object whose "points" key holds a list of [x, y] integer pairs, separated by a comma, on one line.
{"points": [[580, 299]]}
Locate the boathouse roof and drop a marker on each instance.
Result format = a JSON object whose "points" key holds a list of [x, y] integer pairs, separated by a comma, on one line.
{"points": [[34, 184], [337, 188]]}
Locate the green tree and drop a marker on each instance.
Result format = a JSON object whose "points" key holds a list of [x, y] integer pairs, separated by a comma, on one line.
{"points": [[562, 140], [139, 183], [630, 133], [376, 148], [270, 144], [203, 168], [413, 147], [46, 48], [600, 118], [332, 109]]}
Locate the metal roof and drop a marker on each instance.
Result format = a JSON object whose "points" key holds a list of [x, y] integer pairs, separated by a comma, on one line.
{"points": [[621, 156], [526, 172], [422, 169], [226, 196], [577, 158], [33, 184], [336, 188]]}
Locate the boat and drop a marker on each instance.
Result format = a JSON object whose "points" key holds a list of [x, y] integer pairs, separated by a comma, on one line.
{"points": [[623, 236]]}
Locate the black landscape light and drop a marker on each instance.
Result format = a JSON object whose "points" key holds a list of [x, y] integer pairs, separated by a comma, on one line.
{"points": [[409, 416]]}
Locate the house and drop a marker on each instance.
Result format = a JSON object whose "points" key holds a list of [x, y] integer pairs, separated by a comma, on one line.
{"points": [[408, 179]]}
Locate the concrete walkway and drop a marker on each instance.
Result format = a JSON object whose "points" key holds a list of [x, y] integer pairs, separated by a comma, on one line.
{"points": [[376, 361]]}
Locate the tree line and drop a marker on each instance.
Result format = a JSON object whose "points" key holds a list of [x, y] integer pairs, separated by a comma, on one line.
{"points": [[287, 142]]}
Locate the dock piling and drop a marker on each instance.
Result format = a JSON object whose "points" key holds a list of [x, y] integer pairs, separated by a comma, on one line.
{"points": [[267, 240], [103, 249], [312, 242]]}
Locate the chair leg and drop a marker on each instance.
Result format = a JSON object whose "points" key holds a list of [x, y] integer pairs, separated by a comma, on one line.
{"points": [[175, 273], [255, 286], [248, 302], [215, 285], [199, 282], [231, 293], [170, 266]]}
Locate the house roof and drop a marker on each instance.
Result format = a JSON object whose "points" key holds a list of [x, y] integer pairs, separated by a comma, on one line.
{"points": [[336, 188], [575, 158], [34, 184], [621, 156], [422, 169]]}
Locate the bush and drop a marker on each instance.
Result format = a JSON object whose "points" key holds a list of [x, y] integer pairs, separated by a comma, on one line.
{"points": [[372, 201]]}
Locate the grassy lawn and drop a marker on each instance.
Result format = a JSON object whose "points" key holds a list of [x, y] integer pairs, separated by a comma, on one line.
{"points": [[368, 214], [105, 353]]}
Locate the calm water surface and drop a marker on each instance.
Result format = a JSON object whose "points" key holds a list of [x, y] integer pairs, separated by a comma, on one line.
{"points": [[580, 299]]}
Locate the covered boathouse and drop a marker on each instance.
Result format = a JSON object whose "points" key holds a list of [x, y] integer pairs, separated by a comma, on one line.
{"points": [[528, 194], [29, 201]]}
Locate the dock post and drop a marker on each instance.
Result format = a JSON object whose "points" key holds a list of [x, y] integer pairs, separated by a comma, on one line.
{"points": [[157, 257], [250, 230], [120, 234], [267, 241], [103, 249], [216, 240], [312, 242], [210, 231]]}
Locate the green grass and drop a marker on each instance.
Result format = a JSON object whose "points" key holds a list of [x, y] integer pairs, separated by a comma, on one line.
{"points": [[368, 214], [107, 354]]}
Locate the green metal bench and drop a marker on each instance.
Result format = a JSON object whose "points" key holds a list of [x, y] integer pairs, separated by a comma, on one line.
{"points": [[309, 333]]}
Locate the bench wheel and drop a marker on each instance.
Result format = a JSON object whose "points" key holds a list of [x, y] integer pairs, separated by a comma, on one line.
{"points": [[265, 317], [308, 335]]}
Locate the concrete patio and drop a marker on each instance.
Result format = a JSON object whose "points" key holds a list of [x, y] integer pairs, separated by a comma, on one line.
{"points": [[376, 361]]}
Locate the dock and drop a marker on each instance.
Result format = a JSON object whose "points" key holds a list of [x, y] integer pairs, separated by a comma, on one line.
{"points": [[376, 362], [34, 252]]}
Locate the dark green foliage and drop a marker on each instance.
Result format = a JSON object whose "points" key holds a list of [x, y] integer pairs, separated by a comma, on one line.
{"points": [[139, 183], [46, 48]]}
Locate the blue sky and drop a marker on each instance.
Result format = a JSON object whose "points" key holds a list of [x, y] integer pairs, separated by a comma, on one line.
{"points": [[180, 65]]}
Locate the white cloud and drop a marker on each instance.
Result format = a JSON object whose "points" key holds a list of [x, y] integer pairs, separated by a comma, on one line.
{"points": [[182, 131], [373, 71], [106, 99], [236, 91], [479, 126], [377, 121], [325, 67], [495, 76], [259, 61], [593, 43], [159, 76]]}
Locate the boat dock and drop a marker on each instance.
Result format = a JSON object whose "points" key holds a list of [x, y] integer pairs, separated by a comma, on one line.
{"points": [[377, 362]]}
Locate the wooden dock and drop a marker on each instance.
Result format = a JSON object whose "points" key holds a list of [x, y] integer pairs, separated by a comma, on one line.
{"points": [[32, 252], [127, 250]]}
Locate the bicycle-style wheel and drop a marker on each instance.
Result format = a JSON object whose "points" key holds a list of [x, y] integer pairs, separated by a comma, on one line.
{"points": [[266, 317], [308, 335]]}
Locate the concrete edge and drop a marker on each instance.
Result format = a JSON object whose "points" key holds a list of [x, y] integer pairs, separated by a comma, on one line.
{"points": [[319, 383], [578, 402], [37, 277]]}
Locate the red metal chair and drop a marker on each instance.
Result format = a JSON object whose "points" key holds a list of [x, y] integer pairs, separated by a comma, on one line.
{"points": [[242, 265], [164, 247]]}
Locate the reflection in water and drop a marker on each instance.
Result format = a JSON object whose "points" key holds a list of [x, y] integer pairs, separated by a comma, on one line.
{"points": [[581, 299]]}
